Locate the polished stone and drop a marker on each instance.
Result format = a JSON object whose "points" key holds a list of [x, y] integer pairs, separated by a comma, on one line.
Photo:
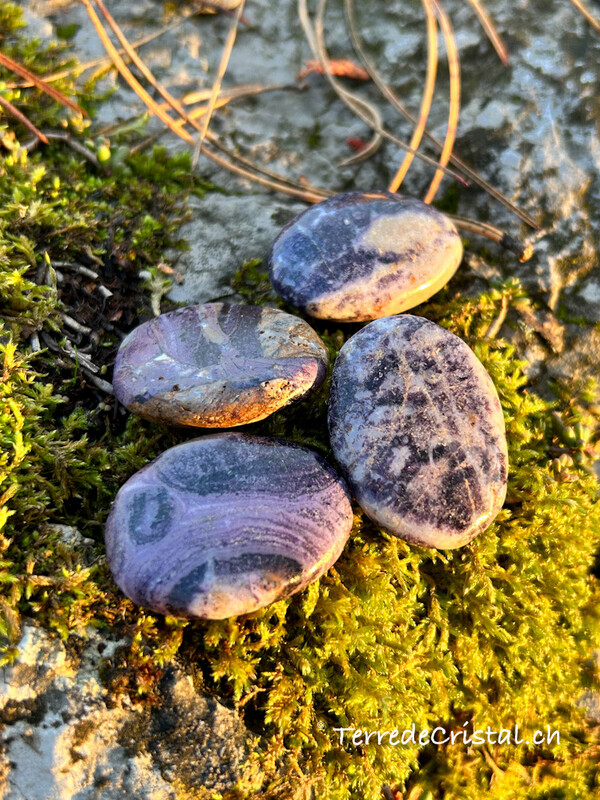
{"points": [[218, 365], [417, 428], [362, 255], [226, 524]]}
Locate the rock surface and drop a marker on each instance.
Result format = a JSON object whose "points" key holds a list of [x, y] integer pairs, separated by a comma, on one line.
{"points": [[226, 524], [218, 365], [417, 427], [362, 255], [64, 737]]}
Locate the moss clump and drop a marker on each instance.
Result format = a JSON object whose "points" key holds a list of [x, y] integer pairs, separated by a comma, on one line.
{"points": [[496, 633]]}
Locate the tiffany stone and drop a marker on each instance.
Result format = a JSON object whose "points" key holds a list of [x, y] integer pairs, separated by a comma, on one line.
{"points": [[226, 524], [362, 255], [218, 365], [417, 428]]}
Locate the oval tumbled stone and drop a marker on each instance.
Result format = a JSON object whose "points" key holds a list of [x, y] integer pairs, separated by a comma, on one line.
{"points": [[217, 365], [363, 255], [417, 428], [226, 524]]}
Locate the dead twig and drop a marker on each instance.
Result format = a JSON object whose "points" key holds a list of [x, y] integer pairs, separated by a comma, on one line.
{"points": [[34, 342], [74, 325], [51, 136], [88, 273], [106, 60], [495, 326], [99, 383]]}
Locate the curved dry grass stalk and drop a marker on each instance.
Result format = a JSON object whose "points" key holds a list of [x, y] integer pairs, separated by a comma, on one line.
{"points": [[587, 14], [432, 62], [139, 63], [453, 112], [357, 105], [228, 96], [391, 97], [491, 32], [308, 194], [230, 41], [242, 166], [235, 92], [365, 111], [301, 189]]}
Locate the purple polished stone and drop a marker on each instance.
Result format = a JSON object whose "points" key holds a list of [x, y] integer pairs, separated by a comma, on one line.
{"points": [[218, 365], [363, 255], [226, 524], [417, 428]]}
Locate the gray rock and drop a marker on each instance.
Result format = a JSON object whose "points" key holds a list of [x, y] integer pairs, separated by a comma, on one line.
{"points": [[224, 232], [63, 738]]}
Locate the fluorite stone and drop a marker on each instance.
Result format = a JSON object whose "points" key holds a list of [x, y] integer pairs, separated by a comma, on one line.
{"points": [[363, 255], [217, 365], [417, 428], [226, 524]]}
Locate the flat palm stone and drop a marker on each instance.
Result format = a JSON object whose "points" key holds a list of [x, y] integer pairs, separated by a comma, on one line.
{"points": [[217, 365], [226, 524], [417, 428], [363, 255]]}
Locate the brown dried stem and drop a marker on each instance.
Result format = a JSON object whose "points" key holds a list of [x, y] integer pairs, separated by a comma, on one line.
{"points": [[25, 73], [61, 136], [7, 106], [135, 58], [302, 190], [130, 78], [304, 193], [523, 251], [106, 60]]}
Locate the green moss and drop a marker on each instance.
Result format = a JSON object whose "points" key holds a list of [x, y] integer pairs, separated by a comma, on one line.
{"points": [[495, 633]]}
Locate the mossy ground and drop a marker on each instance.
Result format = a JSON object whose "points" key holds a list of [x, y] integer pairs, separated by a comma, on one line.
{"points": [[496, 633]]}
